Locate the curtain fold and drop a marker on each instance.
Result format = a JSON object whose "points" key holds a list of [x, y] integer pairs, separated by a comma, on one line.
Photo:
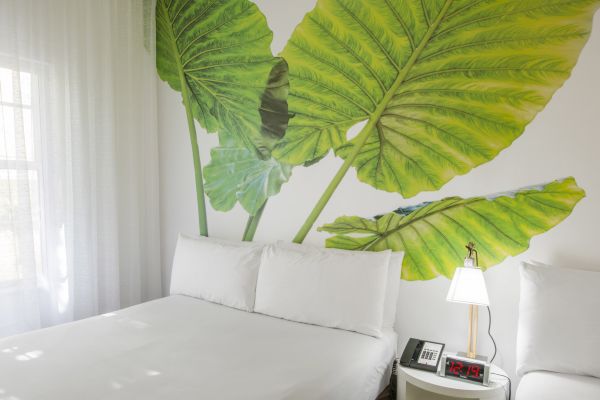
{"points": [[79, 218]]}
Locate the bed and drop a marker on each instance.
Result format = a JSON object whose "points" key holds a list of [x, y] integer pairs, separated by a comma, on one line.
{"points": [[181, 347]]}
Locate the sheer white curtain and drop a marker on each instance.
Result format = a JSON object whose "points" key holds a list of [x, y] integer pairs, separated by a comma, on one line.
{"points": [[79, 230]]}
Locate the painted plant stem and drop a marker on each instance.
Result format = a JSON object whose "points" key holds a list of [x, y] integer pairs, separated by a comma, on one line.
{"points": [[202, 220], [252, 224], [324, 199], [361, 139]]}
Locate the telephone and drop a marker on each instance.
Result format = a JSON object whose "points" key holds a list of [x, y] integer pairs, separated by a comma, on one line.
{"points": [[421, 354]]}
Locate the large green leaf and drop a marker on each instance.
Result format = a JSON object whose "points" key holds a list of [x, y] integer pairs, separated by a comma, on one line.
{"points": [[222, 49], [236, 174], [433, 235], [445, 85]]}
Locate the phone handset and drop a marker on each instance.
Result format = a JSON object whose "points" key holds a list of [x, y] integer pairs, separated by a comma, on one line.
{"points": [[421, 354]]}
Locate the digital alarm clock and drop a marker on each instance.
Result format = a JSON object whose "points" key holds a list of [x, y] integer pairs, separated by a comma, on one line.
{"points": [[464, 369]]}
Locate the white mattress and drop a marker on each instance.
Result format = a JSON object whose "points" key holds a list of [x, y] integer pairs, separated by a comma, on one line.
{"points": [[541, 385], [183, 348]]}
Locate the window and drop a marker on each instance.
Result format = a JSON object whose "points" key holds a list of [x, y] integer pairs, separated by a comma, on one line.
{"points": [[20, 255]]}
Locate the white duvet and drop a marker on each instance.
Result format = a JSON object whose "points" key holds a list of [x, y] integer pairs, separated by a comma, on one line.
{"points": [[184, 348]]}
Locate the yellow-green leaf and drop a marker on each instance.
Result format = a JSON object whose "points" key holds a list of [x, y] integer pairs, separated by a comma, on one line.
{"points": [[445, 85], [433, 234]]}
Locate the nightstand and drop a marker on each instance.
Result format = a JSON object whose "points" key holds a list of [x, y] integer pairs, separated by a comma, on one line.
{"points": [[414, 384]]}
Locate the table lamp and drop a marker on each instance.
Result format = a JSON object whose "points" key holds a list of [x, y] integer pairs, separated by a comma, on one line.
{"points": [[468, 287]]}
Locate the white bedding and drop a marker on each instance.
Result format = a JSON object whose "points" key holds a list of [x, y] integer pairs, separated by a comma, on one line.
{"points": [[184, 348]]}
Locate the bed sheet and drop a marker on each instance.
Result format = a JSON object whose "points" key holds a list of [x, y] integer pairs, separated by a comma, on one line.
{"points": [[180, 347]]}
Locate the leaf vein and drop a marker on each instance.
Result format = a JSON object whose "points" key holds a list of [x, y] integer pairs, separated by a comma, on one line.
{"points": [[455, 110], [420, 143], [469, 234], [331, 89], [454, 136], [201, 14], [179, 10], [214, 28], [371, 34], [402, 23], [203, 68], [351, 51], [336, 68], [497, 41], [492, 17], [425, 14], [546, 204], [468, 70], [492, 224], [201, 53]]}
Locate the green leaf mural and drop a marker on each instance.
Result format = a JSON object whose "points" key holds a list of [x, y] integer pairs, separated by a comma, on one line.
{"points": [[236, 174], [432, 235], [218, 55], [223, 50], [444, 85]]}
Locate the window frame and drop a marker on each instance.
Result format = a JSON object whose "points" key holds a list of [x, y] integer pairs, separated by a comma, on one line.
{"points": [[35, 165]]}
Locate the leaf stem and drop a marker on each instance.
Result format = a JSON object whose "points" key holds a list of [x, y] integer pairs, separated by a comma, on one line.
{"points": [[318, 208], [252, 224], [202, 220], [362, 137]]}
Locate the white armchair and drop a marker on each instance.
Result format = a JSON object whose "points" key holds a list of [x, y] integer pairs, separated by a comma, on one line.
{"points": [[558, 341]]}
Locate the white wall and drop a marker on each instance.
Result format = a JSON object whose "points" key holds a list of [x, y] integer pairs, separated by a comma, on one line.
{"points": [[562, 141]]}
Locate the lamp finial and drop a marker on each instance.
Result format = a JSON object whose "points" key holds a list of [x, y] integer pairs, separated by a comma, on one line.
{"points": [[472, 258]]}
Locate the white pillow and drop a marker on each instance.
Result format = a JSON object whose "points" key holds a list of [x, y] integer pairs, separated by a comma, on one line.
{"points": [[216, 270], [559, 320], [390, 301], [324, 287], [391, 291]]}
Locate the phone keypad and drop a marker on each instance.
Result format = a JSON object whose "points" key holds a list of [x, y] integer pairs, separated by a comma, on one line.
{"points": [[430, 354]]}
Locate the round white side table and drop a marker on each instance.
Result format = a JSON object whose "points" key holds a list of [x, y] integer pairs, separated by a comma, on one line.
{"points": [[414, 384]]}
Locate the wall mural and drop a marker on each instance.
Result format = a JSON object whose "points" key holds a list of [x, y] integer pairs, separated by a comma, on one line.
{"points": [[442, 87]]}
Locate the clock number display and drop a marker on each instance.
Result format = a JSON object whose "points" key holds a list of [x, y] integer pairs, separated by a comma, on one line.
{"points": [[464, 370]]}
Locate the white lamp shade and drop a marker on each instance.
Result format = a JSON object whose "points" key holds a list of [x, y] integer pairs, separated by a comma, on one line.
{"points": [[468, 286]]}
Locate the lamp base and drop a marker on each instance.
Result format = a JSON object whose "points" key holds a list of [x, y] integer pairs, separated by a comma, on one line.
{"points": [[476, 357]]}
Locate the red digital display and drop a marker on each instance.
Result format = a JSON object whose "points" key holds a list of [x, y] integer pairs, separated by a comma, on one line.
{"points": [[464, 370]]}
